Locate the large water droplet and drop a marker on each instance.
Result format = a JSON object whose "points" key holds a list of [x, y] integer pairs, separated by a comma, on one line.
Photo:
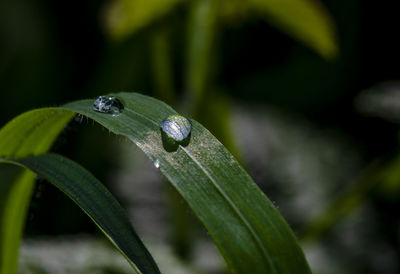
{"points": [[157, 164], [108, 105], [176, 127], [175, 130]]}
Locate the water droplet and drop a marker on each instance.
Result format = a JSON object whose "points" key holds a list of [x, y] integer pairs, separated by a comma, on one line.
{"points": [[175, 131], [108, 105], [176, 127], [79, 118], [157, 164]]}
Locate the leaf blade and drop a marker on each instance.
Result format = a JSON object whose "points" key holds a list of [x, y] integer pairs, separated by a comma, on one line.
{"points": [[140, 122], [96, 201], [37, 131], [124, 17], [14, 209], [304, 20], [254, 237]]}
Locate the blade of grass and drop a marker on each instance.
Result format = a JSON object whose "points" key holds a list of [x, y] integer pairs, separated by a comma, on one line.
{"points": [[381, 176], [250, 233], [162, 65], [30, 133], [201, 37], [16, 203], [305, 20], [96, 201], [124, 17], [342, 206], [248, 230]]}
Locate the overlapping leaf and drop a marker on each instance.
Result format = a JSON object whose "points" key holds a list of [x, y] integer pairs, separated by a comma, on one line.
{"points": [[32, 133], [96, 201]]}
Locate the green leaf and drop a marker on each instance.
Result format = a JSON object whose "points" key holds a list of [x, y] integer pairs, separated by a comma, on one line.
{"points": [[350, 199], [96, 201], [162, 68], [305, 20], [201, 39], [30, 133], [380, 177], [248, 230], [13, 215], [124, 17]]}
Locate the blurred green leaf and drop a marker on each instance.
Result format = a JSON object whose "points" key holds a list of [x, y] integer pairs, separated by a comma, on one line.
{"points": [[201, 37], [32, 133], [96, 201], [389, 179], [378, 173], [305, 20], [124, 17], [249, 231], [162, 65], [13, 219], [7, 175], [382, 177]]}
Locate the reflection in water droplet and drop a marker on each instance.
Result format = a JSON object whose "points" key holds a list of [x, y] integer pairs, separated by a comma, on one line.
{"points": [[108, 105], [175, 131], [157, 164]]}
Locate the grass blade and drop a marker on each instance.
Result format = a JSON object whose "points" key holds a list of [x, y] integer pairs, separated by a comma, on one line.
{"points": [[96, 201], [201, 34], [248, 230], [305, 20], [30, 133], [250, 233], [124, 17], [14, 209]]}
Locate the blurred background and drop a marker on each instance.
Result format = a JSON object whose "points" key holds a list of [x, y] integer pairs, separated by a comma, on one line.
{"points": [[305, 93]]}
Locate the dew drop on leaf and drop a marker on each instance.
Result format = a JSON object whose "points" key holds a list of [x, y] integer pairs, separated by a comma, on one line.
{"points": [[79, 118], [157, 164], [108, 105], [176, 127], [175, 130]]}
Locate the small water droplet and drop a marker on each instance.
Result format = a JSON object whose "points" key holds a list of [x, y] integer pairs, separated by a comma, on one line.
{"points": [[108, 105], [157, 164], [79, 118], [175, 130]]}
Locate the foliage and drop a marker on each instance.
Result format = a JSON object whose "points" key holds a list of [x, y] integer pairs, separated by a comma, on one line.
{"points": [[244, 224], [304, 20], [95, 200]]}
